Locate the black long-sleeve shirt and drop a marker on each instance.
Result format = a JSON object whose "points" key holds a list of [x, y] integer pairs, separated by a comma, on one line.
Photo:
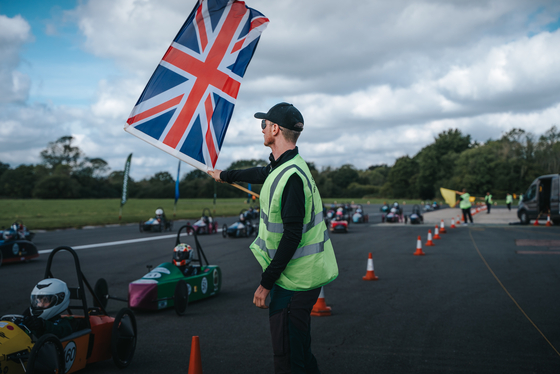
{"points": [[293, 211]]}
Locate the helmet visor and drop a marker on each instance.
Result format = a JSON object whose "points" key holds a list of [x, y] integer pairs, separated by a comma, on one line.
{"points": [[43, 301]]}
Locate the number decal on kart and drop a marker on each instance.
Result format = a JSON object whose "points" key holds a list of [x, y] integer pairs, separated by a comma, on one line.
{"points": [[69, 355], [156, 273]]}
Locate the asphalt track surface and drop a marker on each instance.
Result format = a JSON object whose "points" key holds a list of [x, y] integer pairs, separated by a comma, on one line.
{"points": [[472, 304]]}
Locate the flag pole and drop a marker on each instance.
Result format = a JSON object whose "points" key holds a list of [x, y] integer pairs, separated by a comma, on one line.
{"points": [[245, 190]]}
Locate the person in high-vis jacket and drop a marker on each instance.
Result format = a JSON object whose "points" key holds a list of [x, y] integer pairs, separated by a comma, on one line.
{"points": [[465, 205], [293, 245], [509, 200], [488, 200]]}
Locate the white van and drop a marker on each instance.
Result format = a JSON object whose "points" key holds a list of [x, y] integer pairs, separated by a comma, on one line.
{"points": [[541, 199]]}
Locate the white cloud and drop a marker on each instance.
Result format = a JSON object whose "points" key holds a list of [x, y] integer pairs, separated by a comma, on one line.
{"points": [[14, 33], [375, 80]]}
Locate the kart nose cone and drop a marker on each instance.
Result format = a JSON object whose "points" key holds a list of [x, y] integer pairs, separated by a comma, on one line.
{"points": [[142, 294]]}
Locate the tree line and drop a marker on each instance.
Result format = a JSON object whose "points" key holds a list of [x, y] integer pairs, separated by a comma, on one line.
{"points": [[453, 161]]}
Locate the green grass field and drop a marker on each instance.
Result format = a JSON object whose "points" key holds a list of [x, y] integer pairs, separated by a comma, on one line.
{"points": [[54, 214]]}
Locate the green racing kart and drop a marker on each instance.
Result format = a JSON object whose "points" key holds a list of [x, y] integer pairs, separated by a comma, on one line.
{"points": [[166, 286]]}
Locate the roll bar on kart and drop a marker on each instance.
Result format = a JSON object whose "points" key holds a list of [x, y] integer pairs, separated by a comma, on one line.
{"points": [[200, 253], [76, 293]]}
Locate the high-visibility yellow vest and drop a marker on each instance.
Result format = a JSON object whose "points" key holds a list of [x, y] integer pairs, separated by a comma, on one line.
{"points": [[509, 199], [488, 199], [313, 264], [465, 201]]}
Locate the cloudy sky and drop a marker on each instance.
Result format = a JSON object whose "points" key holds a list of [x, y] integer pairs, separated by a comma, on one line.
{"points": [[374, 79]]}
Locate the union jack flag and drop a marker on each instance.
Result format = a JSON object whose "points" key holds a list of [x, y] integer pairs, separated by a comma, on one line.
{"points": [[188, 102]]}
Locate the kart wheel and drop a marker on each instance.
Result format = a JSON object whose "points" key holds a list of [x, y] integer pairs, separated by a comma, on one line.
{"points": [[160, 227], [123, 338], [46, 356], [224, 230], [181, 297], [101, 290], [1, 258]]}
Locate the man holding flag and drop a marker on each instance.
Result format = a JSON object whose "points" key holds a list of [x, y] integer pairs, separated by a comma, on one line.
{"points": [[185, 110], [293, 246]]}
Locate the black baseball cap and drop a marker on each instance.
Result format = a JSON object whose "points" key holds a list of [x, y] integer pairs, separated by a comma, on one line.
{"points": [[283, 114]]}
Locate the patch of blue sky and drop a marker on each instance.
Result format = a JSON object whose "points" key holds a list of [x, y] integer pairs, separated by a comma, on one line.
{"points": [[61, 72], [553, 26], [542, 13]]}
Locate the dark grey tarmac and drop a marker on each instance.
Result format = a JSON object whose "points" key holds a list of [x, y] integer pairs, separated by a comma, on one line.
{"points": [[470, 305]]}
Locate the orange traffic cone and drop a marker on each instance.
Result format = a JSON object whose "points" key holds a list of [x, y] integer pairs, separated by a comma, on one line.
{"points": [[370, 273], [320, 309], [419, 247], [442, 228], [436, 233], [536, 222], [548, 223], [430, 243], [195, 363], [453, 223]]}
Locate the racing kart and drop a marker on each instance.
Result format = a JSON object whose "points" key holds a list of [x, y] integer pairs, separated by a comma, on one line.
{"points": [[359, 216], [206, 223], [166, 286], [96, 336], [16, 245], [241, 229], [416, 216], [395, 215], [157, 224]]}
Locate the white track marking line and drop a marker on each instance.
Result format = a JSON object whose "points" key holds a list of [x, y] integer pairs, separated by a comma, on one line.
{"points": [[120, 242]]}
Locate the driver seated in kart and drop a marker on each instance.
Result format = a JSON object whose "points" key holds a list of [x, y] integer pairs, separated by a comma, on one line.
{"points": [[384, 208], [159, 214], [339, 215], [49, 298], [183, 255]]}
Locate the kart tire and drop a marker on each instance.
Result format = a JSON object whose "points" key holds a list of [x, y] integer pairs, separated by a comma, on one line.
{"points": [[181, 298], [1, 258], [123, 338], [224, 230], [46, 356], [160, 227], [101, 290]]}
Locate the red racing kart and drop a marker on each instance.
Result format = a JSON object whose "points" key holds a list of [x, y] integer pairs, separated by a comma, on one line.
{"points": [[96, 336]]}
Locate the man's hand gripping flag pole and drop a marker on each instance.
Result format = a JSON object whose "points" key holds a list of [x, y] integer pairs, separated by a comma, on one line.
{"points": [[186, 107]]}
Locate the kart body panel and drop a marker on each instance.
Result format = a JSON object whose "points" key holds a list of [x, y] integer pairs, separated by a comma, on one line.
{"points": [[155, 290], [17, 251], [339, 226]]}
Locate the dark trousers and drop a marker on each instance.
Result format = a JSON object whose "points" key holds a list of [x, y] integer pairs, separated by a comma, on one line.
{"points": [[509, 206], [488, 206], [290, 327], [467, 214]]}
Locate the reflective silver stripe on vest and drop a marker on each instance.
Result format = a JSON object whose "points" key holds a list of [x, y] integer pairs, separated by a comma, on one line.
{"points": [[307, 250], [279, 227]]}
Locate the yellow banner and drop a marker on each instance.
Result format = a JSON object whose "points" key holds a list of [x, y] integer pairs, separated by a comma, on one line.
{"points": [[449, 196]]}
